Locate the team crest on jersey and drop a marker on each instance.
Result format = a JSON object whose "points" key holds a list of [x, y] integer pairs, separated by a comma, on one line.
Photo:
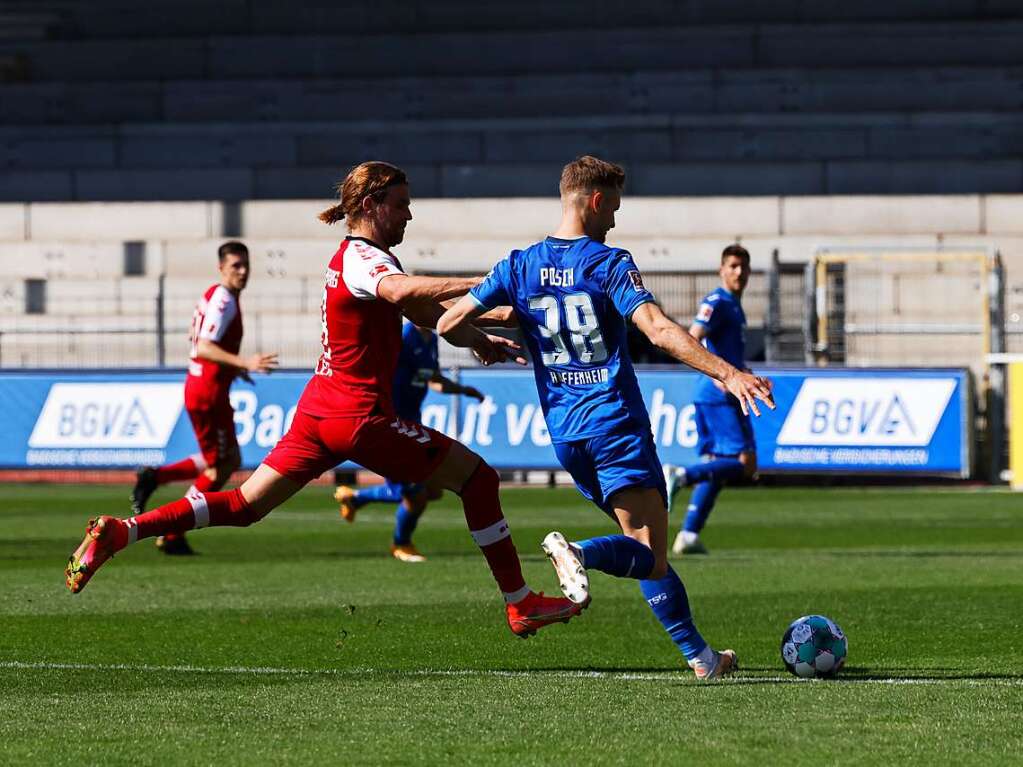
{"points": [[637, 281], [705, 312]]}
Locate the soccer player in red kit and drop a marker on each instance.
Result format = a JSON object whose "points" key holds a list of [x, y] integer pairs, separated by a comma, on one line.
{"points": [[346, 411], [216, 337]]}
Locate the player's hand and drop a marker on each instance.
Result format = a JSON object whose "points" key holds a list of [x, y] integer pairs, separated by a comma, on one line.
{"points": [[261, 363], [748, 388], [476, 394], [490, 349]]}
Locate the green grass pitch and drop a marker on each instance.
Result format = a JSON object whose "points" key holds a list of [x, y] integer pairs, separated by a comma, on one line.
{"points": [[299, 641]]}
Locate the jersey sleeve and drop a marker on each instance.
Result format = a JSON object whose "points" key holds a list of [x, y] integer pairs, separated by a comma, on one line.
{"points": [[221, 309], [707, 315], [493, 291], [364, 266], [624, 285]]}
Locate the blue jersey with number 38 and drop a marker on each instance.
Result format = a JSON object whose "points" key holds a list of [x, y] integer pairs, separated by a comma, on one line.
{"points": [[572, 299]]}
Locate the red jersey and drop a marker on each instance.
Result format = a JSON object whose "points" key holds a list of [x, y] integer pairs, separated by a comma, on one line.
{"points": [[218, 318], [361, 335]]}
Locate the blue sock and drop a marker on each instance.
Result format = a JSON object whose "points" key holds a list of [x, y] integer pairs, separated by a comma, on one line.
{"points": [[617, 555], [404, 525], [700, 504], [385, 493], [668, 599], [719, 470]]}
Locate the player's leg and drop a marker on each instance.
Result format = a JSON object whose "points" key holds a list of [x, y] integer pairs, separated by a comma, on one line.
{"points": [[350, 501], [413, 503], [296, 459], [725, 436], [263, 491], [620, 555], [148, 478], [215, 432], [643, 516], [629, 476], [415, 453]]}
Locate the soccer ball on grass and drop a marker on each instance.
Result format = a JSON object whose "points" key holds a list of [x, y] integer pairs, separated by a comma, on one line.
{"points": [[814, 646]]}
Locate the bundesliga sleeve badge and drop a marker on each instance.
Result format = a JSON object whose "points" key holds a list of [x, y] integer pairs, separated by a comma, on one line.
{"points": [[637, 281], [704, 313]]}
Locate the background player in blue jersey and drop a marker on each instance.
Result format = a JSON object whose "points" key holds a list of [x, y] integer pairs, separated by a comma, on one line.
{"points": [[418, 370], [573, 295], [725, 432]]}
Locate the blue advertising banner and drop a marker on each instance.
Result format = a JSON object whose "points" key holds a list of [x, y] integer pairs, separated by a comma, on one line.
{"points": [[843, 420]]}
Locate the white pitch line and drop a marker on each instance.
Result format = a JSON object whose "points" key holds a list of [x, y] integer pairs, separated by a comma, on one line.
{"points": [[353, 672]]}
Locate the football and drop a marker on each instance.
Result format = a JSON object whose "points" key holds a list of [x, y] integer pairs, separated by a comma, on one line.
{"points": [[814, 647]]}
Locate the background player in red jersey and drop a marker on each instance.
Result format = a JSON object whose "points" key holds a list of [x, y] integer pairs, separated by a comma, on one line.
{"points": [[346, 411], [216, 337]]}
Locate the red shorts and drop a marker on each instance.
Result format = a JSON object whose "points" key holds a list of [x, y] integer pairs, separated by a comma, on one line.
{"points": [[214, 431], [399, 450]]}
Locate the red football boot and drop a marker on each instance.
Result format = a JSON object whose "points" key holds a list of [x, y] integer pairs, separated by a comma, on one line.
{"points": [[534, 611], [103, 537]]}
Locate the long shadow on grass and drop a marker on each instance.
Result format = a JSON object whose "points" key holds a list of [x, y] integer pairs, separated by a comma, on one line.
{"points": [[895, 675], [923, 554]]}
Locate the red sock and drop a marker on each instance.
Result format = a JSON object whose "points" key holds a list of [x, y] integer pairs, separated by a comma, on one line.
{"points": [[188, 468], [204, 483], [194, 510], [490, 531]]}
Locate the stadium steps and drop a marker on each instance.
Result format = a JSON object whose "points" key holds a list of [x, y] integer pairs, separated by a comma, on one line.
{"points": [[665, 154], [709, 91], [964, 43], [99, 19]]}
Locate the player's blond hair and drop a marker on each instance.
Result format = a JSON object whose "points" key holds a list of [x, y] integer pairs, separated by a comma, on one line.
{"points": [[368, 179], [587, 174]]}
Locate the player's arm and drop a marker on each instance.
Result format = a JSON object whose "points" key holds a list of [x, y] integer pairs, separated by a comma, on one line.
{"points": [[463, 313], [425, 314], [498, 317], [672, 339], [456, 326], [403, 289], [440, 383], [207, 349]]}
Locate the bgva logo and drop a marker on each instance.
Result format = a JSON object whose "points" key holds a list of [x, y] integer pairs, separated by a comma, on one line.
{"points": [[107, 415], [867, 411]]}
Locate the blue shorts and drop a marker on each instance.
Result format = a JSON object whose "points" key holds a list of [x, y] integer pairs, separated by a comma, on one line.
{"points": [[601, 466], [723, 429]]}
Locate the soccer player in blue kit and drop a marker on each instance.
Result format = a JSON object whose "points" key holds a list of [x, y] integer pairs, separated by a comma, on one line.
{"points": [[725, 432], [418, 370], [573, 295]]}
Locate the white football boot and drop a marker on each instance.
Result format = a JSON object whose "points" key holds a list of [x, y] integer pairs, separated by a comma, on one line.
{"points": [[688, 543], [674, 478], [725, 664], [575, 584]]}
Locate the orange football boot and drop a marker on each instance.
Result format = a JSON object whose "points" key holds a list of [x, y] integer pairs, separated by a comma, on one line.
{"points": [[534, 611], [103, 537]]}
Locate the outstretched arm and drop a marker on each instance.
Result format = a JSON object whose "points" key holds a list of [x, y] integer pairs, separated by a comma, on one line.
{"points": [[672, 339], [457, 328], [459, 315], [498, 317], [425, 314], [404, 288]]}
